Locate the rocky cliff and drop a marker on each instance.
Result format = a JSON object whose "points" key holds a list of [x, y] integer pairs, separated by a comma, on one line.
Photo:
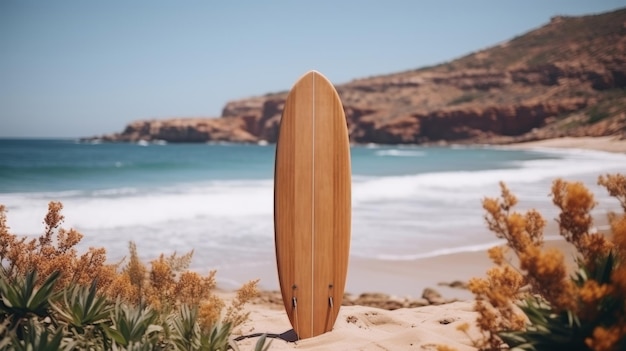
{"points": [[565, 78], [189, 130]]}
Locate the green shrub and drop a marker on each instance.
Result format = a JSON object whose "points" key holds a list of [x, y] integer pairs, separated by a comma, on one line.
{"points": [[468, 97], [596, 114]]}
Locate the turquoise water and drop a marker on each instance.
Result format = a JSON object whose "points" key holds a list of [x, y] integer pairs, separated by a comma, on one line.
{"points": [[59, 165], [62, 165], [408, 202]]}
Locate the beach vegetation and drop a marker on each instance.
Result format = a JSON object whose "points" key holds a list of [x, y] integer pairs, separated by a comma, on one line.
{"points": [[596, 114], [530, 300], [53, 298], [465, 98]]}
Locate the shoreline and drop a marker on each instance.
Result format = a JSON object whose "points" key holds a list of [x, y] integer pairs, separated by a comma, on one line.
{"points": [[399, 279], [605, 143]]}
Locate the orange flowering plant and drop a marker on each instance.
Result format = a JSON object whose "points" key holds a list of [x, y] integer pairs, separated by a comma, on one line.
{"points": [[529, 300], [52, 297]]}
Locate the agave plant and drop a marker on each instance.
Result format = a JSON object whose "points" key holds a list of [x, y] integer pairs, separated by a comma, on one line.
{"points": [[218, 338], [133, 327], [22, 299], [85, 313], [546, 330], [36, 337], [184, 328], [81, 306], [186, 334]]}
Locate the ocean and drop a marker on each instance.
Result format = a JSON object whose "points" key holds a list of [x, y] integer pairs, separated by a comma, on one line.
{"points": [[409, 202]]}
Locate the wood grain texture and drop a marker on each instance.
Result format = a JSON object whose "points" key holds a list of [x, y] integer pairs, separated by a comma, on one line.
{"points": [[312, 205]]}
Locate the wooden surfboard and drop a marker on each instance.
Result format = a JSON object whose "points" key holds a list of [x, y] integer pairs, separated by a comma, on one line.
{"points": [[312, 205]]}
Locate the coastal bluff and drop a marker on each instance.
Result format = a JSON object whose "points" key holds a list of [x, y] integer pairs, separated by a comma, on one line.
{"points": [[566, 78]]}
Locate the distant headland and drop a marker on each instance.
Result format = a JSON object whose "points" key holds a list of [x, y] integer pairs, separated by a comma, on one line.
{"points": [[566, 78]]}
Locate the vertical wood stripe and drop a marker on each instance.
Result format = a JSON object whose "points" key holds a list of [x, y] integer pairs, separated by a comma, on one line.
{"points": [[312, 156]]}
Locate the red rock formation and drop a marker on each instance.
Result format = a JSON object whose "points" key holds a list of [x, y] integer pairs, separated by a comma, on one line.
{"points": [[185, 130], [565, 78]]}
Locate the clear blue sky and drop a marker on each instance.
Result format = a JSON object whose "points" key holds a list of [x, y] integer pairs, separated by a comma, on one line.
{"points": [[81, 68]]}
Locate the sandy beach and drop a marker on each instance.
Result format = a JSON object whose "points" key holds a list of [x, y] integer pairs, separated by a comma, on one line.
{"points": [[607, 143], [368, 328], [361, 327]]}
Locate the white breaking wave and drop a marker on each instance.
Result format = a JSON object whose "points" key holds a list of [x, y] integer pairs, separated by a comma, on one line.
{"points": [[451, 250], [125, 207], [400, 153], [459, 185], [441, 252]]}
